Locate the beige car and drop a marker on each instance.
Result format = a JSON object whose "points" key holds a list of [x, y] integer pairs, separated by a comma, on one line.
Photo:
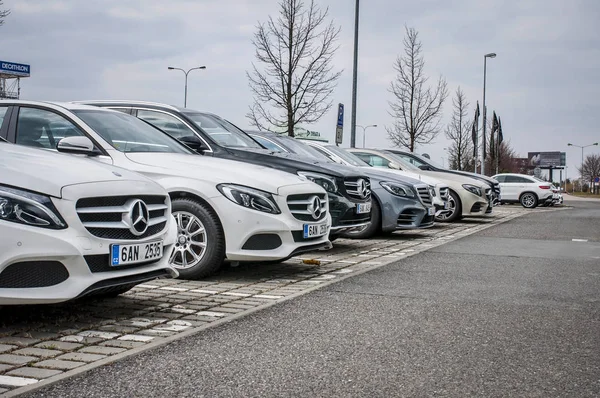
{"points": [[468, 197]]}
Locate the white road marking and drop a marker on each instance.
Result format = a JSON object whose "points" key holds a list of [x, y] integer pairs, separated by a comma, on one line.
{"points": [[267, 296], [204, 291], [12, 381], [211, 313], [579, 240]]}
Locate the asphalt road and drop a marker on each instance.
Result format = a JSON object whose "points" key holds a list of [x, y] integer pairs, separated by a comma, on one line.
{"points": [[512, 311]]}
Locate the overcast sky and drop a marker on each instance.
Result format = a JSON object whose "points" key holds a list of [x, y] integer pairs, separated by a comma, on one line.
{"points": [[544, 84]]}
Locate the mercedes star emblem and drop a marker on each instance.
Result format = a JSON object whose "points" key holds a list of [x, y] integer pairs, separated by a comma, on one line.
{"points": [[138, 217], [314, 207]]}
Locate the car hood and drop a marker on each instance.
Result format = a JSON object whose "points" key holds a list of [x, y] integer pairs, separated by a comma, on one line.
{"points": [[293, 163], [456, 178], [490, 181], [47, 172], [214, 170], [416, 176], [382, 175]]}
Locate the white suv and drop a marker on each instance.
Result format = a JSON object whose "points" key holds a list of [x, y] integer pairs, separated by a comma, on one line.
{"points": [[71, 228], [224, 208], [524, 189]]}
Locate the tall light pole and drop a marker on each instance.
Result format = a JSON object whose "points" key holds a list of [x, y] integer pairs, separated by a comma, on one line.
{"points": [[354, 80], [485, 57], [364, 129], [186, 79], [580, 146]]}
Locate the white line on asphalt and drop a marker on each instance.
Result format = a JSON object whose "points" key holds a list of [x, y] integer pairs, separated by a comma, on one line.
{"points": [[147, 286], [12, 381], [211, 313], [579, 240], [175, 289]]}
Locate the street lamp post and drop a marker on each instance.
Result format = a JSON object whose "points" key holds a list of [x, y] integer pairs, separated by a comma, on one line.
{"points": [[364, 129], [354, 77], [485, 57], [186, 79], [580, 146]]}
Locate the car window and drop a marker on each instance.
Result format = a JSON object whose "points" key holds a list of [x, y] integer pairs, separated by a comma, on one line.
{"points": [[348, 157], [373, 160], [129, 134], [300, 148], [270, 145], [167, 123], [410, 160], [221, 131], [525, 180], [516, 180], [40, 128], [3, 110], [500, 178]]}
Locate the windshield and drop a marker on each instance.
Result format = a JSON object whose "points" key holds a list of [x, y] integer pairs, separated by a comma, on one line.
{"points": [[346, 156], [300, 148], [222, 132], [128, 133], [405, 165]]}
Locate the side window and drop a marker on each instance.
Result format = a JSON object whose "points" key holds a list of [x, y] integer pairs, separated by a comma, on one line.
{"points": [[43, 129], [500, 178], [167, 123], [378, 161], [411, 160], [365, 157], [3, 110], [513, 179], [525, 180]]}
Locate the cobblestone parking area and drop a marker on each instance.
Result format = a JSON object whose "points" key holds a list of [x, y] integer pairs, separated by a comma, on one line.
{"points": [[40, 344]]}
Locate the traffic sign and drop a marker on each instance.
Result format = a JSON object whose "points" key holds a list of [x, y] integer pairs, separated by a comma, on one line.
{"points": [[597, 179], [339, 130]]}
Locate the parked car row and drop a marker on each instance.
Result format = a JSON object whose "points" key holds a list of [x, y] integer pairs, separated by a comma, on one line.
{"points": [[527, 190], [112, 194]]}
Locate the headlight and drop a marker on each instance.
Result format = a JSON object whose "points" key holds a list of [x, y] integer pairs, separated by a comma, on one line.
{"points": [[325, 181], [473, 189], [249, 197], [29, 208], [397, 189]]}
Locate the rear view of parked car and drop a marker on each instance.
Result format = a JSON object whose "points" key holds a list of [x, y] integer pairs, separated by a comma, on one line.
{"points": [[526, 190], [72, 228]]}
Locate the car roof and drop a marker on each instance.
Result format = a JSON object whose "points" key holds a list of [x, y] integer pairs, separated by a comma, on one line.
{"points": [[151, 104], [65, 105]]}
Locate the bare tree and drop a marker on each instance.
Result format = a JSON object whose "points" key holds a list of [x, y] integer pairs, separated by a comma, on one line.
{"points": [[590, 168], [3, 13], [298, 77], [459, 133], [416, 108]]}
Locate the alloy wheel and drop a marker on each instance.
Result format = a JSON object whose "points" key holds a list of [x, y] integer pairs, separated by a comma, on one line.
{"points": [[191, 241]]}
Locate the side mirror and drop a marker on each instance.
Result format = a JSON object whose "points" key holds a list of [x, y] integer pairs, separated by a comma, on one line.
{"points": [[394, 165], [77, 145], [194, 142]]}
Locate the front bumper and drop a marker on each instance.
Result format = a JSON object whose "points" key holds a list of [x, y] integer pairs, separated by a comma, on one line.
{"points": [[251, 235], [473, 205], [66, 264], [344, 216], [402, 213]]}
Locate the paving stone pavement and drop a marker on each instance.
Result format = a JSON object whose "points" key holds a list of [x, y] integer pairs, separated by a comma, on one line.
{"points": [[40, 343]]}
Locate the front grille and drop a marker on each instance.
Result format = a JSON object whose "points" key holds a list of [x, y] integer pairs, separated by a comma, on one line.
{"points": [[101, 263], [29, 274], [445, 194], [425, 195], [111, 217], [355, 189], [302, 206]]}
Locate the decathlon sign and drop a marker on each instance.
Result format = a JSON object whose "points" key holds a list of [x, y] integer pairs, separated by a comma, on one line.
{"points": [[12, 68]]}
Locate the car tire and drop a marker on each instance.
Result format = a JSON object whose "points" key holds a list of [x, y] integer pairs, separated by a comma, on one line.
{"points": [[370, 230], [528, 200], [200, 247], [455, 205]]}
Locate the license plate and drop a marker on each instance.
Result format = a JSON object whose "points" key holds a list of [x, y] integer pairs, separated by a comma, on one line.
{"points": [[362, 208], [137, 253], [314, 230], [431, 211]]}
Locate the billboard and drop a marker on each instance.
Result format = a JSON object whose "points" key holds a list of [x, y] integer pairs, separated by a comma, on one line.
{"points": [[546, 159], [14, 69]]}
